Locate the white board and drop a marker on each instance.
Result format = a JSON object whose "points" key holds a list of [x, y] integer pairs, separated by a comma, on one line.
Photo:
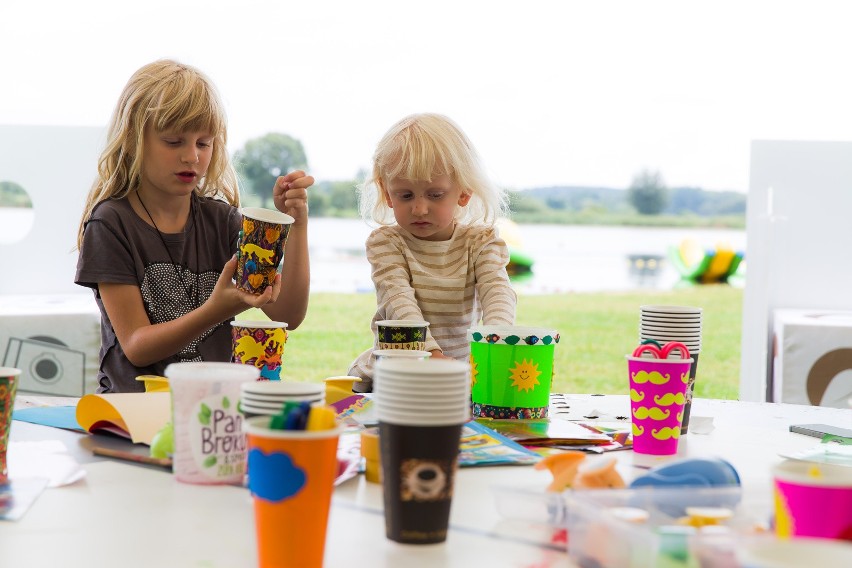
{"points": [[56, 165], [799, 243]]}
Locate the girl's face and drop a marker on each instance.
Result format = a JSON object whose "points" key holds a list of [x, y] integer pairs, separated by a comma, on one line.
{"points": [[174, 162], [426, 209]]}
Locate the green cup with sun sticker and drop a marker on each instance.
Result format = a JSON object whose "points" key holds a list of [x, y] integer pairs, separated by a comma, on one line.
{"points": [[511, 371], [209, 442]]}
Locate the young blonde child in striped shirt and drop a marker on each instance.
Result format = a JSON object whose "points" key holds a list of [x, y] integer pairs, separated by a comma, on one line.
{"points": [[436, 255]]}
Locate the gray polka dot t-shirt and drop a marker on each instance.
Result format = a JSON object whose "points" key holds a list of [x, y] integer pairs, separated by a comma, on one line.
{"points": [[119, 247]]}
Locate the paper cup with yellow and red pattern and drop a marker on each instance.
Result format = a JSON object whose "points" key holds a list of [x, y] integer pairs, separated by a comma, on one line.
{"points": [[261, 344], [9, 378], [260, 248]]}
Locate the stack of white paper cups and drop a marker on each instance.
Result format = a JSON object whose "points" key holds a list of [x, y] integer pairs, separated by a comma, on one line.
{"points": [[421, 405], [422, 392], [664, 324], [269, 397]]}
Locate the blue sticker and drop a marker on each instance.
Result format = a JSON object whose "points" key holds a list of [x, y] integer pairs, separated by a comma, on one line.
{"points": [[274, 477]]}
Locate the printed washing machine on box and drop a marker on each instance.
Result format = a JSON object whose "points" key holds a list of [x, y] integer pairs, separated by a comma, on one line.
{"points": [[48, 365], [54, 340]]}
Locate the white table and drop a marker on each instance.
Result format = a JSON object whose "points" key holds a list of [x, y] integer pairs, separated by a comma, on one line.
{"points": [[126, 515]]}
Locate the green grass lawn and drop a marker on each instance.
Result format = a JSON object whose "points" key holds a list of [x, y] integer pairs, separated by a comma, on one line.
{"points": [[597, 330]]}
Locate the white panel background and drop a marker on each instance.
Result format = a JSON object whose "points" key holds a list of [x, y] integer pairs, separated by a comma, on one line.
{"points": [[56, 165], [799, 243]]}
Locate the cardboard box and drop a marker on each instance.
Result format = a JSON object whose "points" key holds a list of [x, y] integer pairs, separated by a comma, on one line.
{"points": [[812, 362], [54, 339]]}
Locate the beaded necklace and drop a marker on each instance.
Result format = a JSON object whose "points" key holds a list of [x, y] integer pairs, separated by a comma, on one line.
{"points": [[186, 288]]}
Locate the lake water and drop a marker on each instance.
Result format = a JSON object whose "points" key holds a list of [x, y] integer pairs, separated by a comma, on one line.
{"points": [[566, 258]]}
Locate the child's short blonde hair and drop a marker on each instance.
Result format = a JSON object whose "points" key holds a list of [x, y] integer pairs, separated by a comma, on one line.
{"points": [[422, 146], [169, 96]]}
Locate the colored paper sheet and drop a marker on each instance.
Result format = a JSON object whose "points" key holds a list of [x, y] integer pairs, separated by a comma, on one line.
{"points": [[53, 416]]}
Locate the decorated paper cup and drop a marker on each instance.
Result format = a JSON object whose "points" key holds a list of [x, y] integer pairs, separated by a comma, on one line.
{"points": [[210, 445], [813, 499], [401, 334], [511, 371], [657, 399], [260, 248], [9, 378], [291, 476], [260, 343]]}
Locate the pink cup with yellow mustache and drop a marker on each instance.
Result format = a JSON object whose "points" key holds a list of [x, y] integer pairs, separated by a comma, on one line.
{"points": [[657, 397]]}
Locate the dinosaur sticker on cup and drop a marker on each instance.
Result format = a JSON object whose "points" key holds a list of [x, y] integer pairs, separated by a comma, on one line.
{"points": [[260, 248], [261, 344]]}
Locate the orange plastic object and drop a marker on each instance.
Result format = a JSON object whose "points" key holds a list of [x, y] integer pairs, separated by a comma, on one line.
{"points": [[563, 467]]}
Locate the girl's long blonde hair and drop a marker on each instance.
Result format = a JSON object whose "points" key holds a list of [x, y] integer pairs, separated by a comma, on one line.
{"points": [[419, 147], [170, 96]]}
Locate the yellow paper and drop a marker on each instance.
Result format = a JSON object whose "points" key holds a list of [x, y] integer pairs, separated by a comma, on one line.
{"points": [[138, 416]]}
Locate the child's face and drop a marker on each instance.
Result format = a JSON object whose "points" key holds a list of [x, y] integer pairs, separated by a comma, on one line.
{"points": [[174, 162], [425, 209]]}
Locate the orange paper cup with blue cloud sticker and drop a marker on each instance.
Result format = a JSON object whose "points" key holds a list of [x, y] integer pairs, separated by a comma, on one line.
{"points": [[657, 398], [291, 477]]}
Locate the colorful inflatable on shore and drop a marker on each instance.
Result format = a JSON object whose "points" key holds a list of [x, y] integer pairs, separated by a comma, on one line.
{"points": [[520, 263], [703, 265]]}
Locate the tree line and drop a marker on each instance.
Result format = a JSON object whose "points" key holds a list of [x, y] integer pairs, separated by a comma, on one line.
{"points": [[646, 201]]}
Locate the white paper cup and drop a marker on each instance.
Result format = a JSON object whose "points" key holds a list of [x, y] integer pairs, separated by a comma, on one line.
{"points": [[283, 388], [420, 404], [676, 326], [436, 419], [427, 393], [672, 311], [665, 320], [414, 370], [276, 404], [681, 335], [401, 353], [281, 398]]}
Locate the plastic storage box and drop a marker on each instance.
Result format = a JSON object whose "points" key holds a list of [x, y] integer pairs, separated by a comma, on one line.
{"points": [[650, 527]]}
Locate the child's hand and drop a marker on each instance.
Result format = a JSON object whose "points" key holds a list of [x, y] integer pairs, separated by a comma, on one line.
{"points": [[438, 354], [290, 195], [231, 300]]}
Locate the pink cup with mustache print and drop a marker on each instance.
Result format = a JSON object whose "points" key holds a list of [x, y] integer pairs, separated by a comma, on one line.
{"points": [[657, 397]]}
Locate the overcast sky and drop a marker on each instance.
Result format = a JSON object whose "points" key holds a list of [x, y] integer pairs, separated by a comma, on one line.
{"points": [[552, 92]]}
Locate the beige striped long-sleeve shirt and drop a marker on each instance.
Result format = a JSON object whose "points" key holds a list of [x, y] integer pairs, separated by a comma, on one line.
{"points": [[451, 284]]}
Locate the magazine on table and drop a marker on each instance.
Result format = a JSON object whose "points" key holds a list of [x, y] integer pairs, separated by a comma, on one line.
{"points": [[481, 445]]}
